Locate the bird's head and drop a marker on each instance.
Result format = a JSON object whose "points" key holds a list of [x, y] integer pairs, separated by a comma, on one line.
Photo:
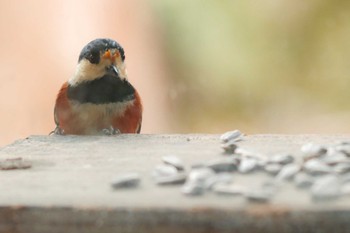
{"points": [[98, 58]]}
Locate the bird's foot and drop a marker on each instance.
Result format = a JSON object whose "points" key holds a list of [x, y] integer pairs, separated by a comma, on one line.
{"points": [[110, 131], [57, 131]]}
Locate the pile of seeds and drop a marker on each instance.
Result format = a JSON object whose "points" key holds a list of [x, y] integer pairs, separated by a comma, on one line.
{"points": [[323, 170]]}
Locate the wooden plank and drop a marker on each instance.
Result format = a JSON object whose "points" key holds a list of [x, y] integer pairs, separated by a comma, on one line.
{"points": [[68, 188]]}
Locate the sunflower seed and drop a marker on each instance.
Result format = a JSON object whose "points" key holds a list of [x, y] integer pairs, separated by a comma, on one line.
{"points": [[273, 168], [316, 167], [200, 175], [342, 168], [334, 158], [311, 150], [288, 172], [242, 152], [174, 161], [164, 170], [178, 178], [343, 148], [226, 189], [227, 164], [197, 181], [192, 188], [230, 135], [282, 159], [126, 180], [326, 187], [247, 165]]}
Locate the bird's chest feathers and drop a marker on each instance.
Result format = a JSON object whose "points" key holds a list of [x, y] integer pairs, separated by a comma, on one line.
{"points": [[105, 90]]}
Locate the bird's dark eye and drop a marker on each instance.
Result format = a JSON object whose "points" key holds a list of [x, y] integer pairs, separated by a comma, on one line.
{"points": [[93, 57]]}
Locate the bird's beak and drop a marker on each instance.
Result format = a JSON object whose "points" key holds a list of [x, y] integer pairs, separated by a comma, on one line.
{"points": [[111, 54]]}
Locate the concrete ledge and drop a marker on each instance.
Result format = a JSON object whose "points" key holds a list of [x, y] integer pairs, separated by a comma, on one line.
{"points": [[68, 188]]}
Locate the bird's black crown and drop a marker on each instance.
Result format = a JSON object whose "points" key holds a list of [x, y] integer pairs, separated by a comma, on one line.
{"points": [[92, 50]]}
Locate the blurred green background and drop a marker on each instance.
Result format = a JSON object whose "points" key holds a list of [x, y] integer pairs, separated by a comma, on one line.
{"points": [[263, 66]]}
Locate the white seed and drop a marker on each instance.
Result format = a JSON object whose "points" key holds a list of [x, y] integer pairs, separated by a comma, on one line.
{"points": [[247, 165], [311, 150], [281, 158], [248, 153], [196, 183], [342, 168], [343, 148], [273, 168], [334, 158], [164, 170], [192, 188], [200, 175], [288, 172], [316, 167], [227, 164], [174, 161], [230, 135], [126, 180], [226, 189], [178, 178]]}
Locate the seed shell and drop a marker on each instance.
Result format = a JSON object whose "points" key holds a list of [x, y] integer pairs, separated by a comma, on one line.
{"points": [[127, 180], [230, 135]]}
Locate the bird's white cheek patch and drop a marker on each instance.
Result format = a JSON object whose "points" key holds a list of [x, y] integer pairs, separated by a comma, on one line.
{"points": [[122, 71], [86, 71]]}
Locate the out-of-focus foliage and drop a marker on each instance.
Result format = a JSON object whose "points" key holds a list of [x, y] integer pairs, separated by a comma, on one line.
{"points": [[268, 65]]}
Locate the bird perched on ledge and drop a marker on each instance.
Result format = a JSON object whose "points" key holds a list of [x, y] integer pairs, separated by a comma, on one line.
{"points": [[98, 98]]}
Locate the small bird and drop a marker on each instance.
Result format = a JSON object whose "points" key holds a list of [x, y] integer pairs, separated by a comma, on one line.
{"points": [[98, 99]]}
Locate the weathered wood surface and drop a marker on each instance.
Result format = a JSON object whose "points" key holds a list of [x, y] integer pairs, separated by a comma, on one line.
{"points": [[68, 188]]}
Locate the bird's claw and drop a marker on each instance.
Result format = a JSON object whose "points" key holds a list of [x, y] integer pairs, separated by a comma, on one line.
{"points": [[57, 131], [110, 131]]}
